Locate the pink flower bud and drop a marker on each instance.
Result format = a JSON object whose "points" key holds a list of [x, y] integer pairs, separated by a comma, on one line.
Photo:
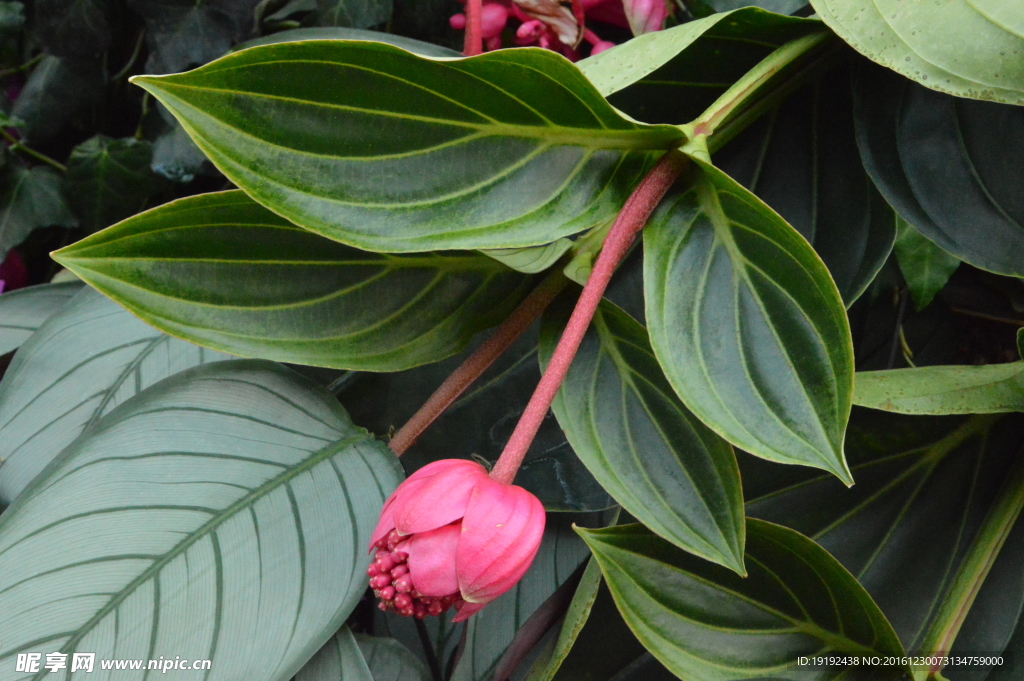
{"points": [[645, 16], [458, 538], [600, 46], [492, 20], [457, 21]]}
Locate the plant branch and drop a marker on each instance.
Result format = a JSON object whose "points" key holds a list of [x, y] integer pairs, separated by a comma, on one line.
{"points": [[474, 43], [17, 145], [24, 67], [477, 363], [131, 60], [630, 221]]}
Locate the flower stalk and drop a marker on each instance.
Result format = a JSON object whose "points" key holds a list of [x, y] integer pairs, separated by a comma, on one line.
{"points": [[474, 39]]}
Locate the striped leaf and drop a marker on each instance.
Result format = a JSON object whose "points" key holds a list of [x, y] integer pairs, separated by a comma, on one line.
{"points": [[621, 416], [388, 151], [222, 514], [705, 622], [25, 310], [748, 325], [77, 367], [224, 272]]}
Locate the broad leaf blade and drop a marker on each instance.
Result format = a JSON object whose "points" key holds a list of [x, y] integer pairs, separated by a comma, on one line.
{"points": [[649, 452], [988, 389], [25, 310], [703, 621], [81, 363], [925, 267], [748, 325], [966, 48], [389, 660], [339, 660], [381, 149], [226, 513], [222, 271], [340, 33], [29, 199]]}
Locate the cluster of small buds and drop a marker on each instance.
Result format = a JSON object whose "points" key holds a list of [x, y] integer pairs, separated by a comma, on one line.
{"points": [[392, 583]]}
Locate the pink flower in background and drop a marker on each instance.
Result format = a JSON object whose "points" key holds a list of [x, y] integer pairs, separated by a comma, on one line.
{"points": [[645, 16], [452, 536], [13, 272]]}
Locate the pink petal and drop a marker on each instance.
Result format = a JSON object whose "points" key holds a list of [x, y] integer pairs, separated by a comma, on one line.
{"points": [[432, 560], [467, 610], [501, 532], [433, 501], [385, 524]]}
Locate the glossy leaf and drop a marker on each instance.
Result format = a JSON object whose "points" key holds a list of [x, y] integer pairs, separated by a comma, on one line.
{"points": [[925, 267], [30, 199], [73, 27], [702, 621], [222, 271], [508, 149], [967, 48], [109, 180], [338, 660], [341, 33], [671, 76], [25, 310], [802, 160], [56, 92], [531, 259], [917, 143], [222, 514], [924, 485], [987, 389], [649, 452], [747, 324], [81, 363]]}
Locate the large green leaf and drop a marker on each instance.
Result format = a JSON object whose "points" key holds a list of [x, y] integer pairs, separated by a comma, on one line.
{"points": [[801, 159], [748, 324], [222, 271], [987, 389], [672, 76], [341, 33], [924, 486], [705, 622], [25, 310], [182, 34], [348, 657], [73, 28], [925, 267], [384, 150], [389, 660], [81, 363], [949, 166], [222, 514], [29, 199], [354, 13], [967, 48], [57, 91], [646, 449]]}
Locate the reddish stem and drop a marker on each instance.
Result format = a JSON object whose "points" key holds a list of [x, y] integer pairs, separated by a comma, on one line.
{"points": [[474, 43], [629, 222], [477, 363]]}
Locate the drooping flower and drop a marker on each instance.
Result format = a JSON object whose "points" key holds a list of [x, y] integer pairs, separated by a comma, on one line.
{"points": [[452, 536], [645, 16]]}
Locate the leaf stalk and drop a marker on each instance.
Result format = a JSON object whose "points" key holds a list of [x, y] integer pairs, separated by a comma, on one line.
{"points": [[17, 145]]}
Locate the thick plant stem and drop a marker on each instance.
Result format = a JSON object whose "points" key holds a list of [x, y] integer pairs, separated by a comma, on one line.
{"points": [[477, 363], [629, 222], [474, 43]]}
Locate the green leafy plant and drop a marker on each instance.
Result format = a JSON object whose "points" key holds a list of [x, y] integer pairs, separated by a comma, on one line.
{"points": [[700, 353]]}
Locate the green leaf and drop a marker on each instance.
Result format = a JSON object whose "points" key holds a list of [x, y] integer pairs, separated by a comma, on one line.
{"points": [[182, 34], [703, 621], [222, 514], [81, 363], [12, 16], [924, 485], [23, 311], [338, 660], [389, 660], [354, 13], [802, 160], [387, 151], [175, 156], [672, 76], [925, 267], [419, 47], [222, 271], [109, 180], [988, 389], [747, 323], [73, 28], [29, 199], [533, 258], [778, 6], [967, 48], [56, 93], [947, 165], [646, 449]]}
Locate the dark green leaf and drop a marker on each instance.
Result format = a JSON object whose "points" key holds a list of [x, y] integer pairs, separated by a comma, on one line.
{"points": [[646, 449], [778, 6], [967, 48], [176, 156], [222, 514], [748, 324], [531, 259], [354, 13], [801, 159], [705, 622], [988, 389], [673, 76], [338, 660], [222, 271], [8, 121], [12, 16], [109, 180], [29, 199], [81, 363], [1020, 342], [182, 34], [387, 151], [57, 91], [73, 28], [925, 267], [949, 166], [924, 485], [25, 310], [339, 33], [389, 660]]}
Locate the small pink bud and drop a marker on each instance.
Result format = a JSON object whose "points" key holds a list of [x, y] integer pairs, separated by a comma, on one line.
{"points": [[530, 30], [403, 584], [373, 570], [399, 571], [380, 581], [493, 17], [601, 46], [457, 21], [385, 562]]}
